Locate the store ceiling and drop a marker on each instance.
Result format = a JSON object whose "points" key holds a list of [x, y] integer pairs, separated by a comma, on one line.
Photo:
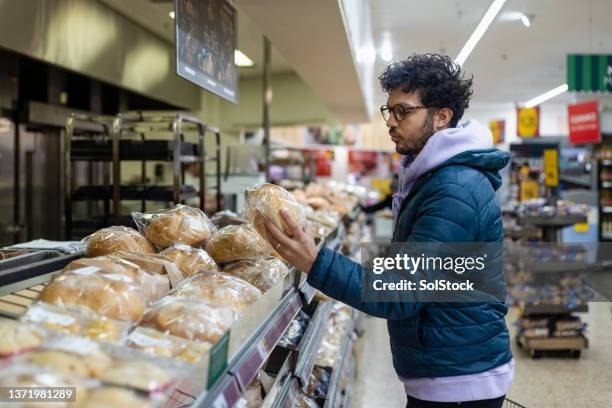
{"points": [[512, 63], [154, 16]]}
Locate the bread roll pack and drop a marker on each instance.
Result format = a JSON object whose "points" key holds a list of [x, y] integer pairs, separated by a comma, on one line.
{"points": [[155, 264], [161, 344], [268, 200], [154, 286], [190, 260], [109, 240], [19, 337], [237, 243], [261, 273], [111, 295], [219, 290], [189, 319], [179, 225]]}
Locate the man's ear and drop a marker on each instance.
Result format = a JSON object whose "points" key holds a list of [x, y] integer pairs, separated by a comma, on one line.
{"points": [[443, 118]]}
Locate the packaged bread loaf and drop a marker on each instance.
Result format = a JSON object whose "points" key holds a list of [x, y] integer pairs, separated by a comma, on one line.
{"points": [[268, 200], [189, 319], [153, 286], [114, 397], [224, 218], [318, 203], [111, 295], [109, 240], [261, 273], [17, 337], [190, 260], [154, 263], [219, 290], [139, 374], [94, 327], [179, 225], [237, 243], [160, 344]]}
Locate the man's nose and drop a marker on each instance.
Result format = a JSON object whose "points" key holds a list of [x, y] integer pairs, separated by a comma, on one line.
{"points": [[391, 122]]}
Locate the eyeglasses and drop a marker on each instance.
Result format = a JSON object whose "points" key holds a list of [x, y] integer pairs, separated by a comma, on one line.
{"points": [[399, 111]]}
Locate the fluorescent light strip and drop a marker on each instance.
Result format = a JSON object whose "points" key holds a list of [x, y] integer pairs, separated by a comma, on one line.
{"points": [[479, 31], [546, 96], [241, 60]]}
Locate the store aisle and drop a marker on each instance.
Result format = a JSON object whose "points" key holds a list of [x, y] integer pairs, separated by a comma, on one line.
{"points": [[547, 382], [376, 384]]}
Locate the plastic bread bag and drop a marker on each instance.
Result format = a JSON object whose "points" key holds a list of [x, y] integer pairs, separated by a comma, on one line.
{"points": [[324, 217], [190, 260], [112, 295], [268, 200], [115, 397], [219, 290], [224, 218], [318, 382], [21, 374], [316, 190], [304, 401], [72, 356], [237, 243], [69, 322], [300, 196], [179, 225], [261, 273], [154, 286], [155, 264], [292, 336], [160, 344], [317, 230], [19, 337], [109, 240], [189, 319], [141, 372], [318, 203]]}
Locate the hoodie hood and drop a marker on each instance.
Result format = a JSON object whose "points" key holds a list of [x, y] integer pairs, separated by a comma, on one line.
{"points": [[469, 144]]}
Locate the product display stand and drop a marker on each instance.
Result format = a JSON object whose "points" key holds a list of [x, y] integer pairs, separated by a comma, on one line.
{"points": [[552, 225], [104, 145]]}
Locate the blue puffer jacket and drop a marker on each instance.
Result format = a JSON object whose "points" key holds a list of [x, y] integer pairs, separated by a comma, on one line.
{"points": [[453, 202]]}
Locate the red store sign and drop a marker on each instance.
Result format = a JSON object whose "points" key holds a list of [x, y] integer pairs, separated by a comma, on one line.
{"points": [[584, 123]]}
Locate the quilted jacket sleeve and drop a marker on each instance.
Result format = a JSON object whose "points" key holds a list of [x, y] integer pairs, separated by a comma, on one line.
{"points": [[447, 214]]}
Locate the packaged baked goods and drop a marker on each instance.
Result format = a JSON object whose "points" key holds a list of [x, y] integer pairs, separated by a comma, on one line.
{"points": [[316, 190], [293, 335], [154, 286], [188, 319], [318, 203], [237, 243], [179, 225], [114, 397], [139, 374], [327, 218], [112, 295], [337, 329], [18, 337], [190, 260], [112, 239], [226, 217], [220, 290], [261, 273], [71, 355], [300, 196], [154, 263], [268, 200], [54, 318], [165, 345]]}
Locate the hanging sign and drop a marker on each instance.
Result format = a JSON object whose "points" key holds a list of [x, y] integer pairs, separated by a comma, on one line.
{"points": [[551, 167], [498, 130], [589, 73], [528, 122], [584, 123]]}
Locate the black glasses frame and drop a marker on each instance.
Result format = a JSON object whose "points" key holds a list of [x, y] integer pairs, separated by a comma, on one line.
{"points": [[399, 111]]}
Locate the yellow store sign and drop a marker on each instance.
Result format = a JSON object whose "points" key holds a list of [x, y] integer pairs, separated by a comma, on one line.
{"points": [[528, 122]]}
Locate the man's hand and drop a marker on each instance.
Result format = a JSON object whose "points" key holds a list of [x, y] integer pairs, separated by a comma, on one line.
{"points": [[298, 249]]}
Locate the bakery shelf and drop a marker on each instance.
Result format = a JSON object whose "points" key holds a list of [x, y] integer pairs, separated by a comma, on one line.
{"points": [[282, 377], [556, 221], [334, 393], [549, 309], [311, 341], [288, 394], [131, 150], [133, 192]]}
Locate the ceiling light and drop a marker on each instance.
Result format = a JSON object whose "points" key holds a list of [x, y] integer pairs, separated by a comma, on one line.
{"points": [[386, 50], [525, 20], [171, 14], [241, 60], [479, 31], [546, 96]]}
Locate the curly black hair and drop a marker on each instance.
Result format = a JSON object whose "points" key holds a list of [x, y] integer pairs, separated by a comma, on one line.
{"points": [[439, 81]]}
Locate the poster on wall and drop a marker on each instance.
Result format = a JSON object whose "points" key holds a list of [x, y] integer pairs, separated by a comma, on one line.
{"points": [[528, 122], [363, 163], [498, 130], [322, 161], [205, 45], [584, 123]]}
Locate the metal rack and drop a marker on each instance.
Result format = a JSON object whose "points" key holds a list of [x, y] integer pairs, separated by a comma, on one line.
{"points": [[111, 141]]}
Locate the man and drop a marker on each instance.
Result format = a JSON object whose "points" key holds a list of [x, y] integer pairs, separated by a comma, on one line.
{"points": [[444, 353]]}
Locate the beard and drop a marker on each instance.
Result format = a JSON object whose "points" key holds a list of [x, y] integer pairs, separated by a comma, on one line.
{"points": [[417, 143]]}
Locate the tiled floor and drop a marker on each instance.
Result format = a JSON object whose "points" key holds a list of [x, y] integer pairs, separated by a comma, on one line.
{"points": [[547, 382]]}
